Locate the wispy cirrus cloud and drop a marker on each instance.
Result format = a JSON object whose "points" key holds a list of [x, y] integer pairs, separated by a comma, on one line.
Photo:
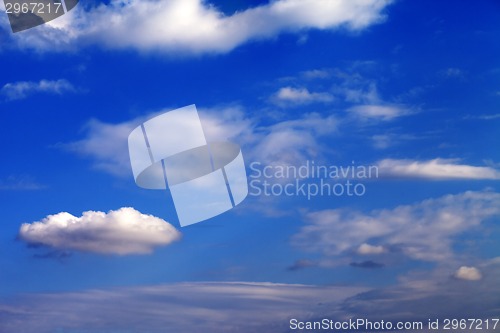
{"points": [[379, 112], [23, 89], [20, 183], [424, 230], [195, 26], [124, 231], [435, 169], [106, 145], [289, 141], [452, 72], [491, 116]]}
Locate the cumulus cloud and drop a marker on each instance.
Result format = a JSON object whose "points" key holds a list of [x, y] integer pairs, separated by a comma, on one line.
{"points": [[378, 112], [194, 26], [468, 273], [289, 96], [422, 231], [22, 89], [123, 231], [435, 169], [367, 249]]}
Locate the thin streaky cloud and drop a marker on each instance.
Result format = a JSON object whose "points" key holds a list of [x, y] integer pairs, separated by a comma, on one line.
{"points": [[290, 96], [222, 307], [491, 116], [379, 112], [23, 89], [435, 169], [20, 183]]}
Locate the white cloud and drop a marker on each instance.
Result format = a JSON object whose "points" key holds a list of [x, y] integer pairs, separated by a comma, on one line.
{"points": [[289, 141], [107, 145], [378, 112], [435, 169], [367, 249], [220, 123], [424, 231], [292, 142], [123, 231], [289, 96], [184, 307], [468, 273], [22, 89], [194, 26]]}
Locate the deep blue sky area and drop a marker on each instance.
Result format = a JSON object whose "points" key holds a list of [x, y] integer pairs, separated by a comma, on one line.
{"points": [[412, 87]]}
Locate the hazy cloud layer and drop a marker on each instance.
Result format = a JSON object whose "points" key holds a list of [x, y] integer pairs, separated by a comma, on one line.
{"points": [[187, 307], [250, 307], [123, 231], [194, 26]]}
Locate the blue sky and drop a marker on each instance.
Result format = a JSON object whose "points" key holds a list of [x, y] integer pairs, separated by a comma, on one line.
{"points": [[412, 87]]}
